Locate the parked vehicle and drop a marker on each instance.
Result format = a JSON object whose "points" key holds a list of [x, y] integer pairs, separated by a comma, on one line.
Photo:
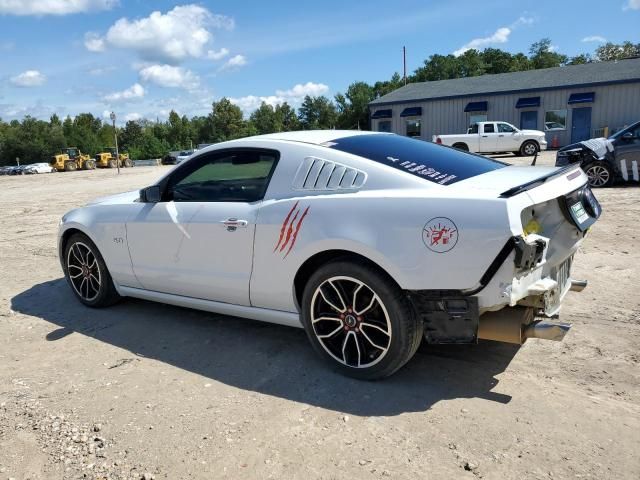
{"points": [[107, 159], [606, 160], [171, 158], [496, 137], [184, 155], [72, 159], [42, 167], [370, 241]]}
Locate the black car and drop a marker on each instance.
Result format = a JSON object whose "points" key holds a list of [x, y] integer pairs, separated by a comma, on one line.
{"points": [[606, 160], [170, 159]]}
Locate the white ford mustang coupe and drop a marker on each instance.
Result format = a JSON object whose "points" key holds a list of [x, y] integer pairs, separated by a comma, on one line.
{"points": [[370, 241]]}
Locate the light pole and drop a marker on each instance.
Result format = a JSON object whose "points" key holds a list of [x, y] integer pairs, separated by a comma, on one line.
{"points": [[115, 137]]}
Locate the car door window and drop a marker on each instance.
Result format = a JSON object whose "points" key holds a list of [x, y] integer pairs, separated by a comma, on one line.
{"points": [[232, 176], [488, 128], [505, 128]]}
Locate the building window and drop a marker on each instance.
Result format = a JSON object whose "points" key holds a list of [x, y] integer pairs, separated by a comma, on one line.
{"points": [[413, 128], [555, 120], [478, 117], [384, 126]]}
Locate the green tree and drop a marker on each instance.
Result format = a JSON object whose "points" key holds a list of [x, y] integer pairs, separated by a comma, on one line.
{"points": [[225, 121], [613, 51], [286, 118], [542, 55], [317, 113], [353, 106], [264, 120]]}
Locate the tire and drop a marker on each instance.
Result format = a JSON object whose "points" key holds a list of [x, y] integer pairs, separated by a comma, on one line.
{"points": [[461, 146], [128, 163], [70, 166], [87, 274], [370, 343], [90, 165], [112, 164], [529, 148], [600, 174]]}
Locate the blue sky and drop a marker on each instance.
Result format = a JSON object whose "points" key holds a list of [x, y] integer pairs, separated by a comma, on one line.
{"points": [[142, 58]]}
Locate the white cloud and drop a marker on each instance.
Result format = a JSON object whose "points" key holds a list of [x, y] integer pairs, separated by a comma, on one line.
{"points": [[236, 61], [302, 90], [293, 96], [135, 91], [523, 20], [133, 116], [30, 78], [181, 33], [169, 76], [217, 55], [632, 5], [94, 42], [501, 35], [595, 38], [101, 70], [53, 7]]}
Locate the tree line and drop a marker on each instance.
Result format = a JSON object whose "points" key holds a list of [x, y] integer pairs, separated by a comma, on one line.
{"points": [[34, 140]]}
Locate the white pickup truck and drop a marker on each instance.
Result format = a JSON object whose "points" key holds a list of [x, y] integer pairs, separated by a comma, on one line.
{"points": [[496, 137]]}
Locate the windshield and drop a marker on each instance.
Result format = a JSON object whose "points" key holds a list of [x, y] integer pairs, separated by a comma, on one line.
{"points": [[435, 163]]}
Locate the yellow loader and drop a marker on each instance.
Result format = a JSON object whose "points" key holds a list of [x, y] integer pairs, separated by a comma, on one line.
{"points": [[72, 159], [107, 159]]}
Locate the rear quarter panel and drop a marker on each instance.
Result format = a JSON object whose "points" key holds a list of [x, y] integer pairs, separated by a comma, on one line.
{"points": [[383, 226]]}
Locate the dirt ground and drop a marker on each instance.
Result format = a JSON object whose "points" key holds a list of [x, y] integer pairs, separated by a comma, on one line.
{"points": [[142, 390]]}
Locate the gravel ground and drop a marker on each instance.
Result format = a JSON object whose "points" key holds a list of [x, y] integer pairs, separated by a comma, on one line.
{"points": [[142, 390]]}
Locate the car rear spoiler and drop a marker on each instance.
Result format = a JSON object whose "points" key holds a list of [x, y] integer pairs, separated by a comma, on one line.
{"points": [[573, 169]]}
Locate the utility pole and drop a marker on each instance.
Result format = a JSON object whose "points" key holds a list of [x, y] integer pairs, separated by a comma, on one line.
{"points": [[404, 63], [115, 137]]}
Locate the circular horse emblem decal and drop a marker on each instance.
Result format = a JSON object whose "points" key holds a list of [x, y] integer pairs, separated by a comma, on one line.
{"points": [[440, 234]]}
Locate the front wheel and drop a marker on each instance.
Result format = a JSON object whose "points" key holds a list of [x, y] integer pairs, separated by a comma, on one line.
{"points": [[87, 274], [359, 320], [128, 163], [529, 148], [599, 174]]}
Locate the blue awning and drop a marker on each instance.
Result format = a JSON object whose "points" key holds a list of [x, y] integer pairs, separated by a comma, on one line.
{"points": [[527, 102], [382, 114], [476, 107], [411, 112], [585, 97]]}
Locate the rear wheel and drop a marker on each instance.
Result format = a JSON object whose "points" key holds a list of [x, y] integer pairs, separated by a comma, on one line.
{"points": [[70, 166], [90, 165], [359, 320], [112, 163], [128, 163], [87, 274], [599, 173], [461, 146], [529, 148]]}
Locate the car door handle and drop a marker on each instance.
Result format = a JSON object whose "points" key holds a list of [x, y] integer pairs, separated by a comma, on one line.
{"points": [[232, 224], [485, 136], [501, 135]]}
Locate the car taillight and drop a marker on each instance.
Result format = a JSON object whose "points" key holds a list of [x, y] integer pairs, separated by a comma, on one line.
{"points": [[438, 140]]}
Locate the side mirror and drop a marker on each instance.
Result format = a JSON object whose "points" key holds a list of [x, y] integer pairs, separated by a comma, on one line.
{"points": [[628, 136], [150, 194]]}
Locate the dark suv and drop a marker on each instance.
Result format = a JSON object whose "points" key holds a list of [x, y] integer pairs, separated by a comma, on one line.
{"points": [[606, 160]]}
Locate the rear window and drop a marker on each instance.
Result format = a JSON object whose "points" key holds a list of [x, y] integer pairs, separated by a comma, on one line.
{"points": [[435, 163]]}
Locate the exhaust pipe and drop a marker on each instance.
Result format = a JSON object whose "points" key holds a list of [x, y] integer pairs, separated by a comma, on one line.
{"points": [[547, 330], [578, 285], [516, 324]]}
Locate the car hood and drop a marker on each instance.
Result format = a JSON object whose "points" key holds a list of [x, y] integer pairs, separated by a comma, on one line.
{"points": [[599, 146], [118, 199], [532, 133]]}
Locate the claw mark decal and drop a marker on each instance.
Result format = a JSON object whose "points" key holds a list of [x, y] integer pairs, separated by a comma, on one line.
{"points": [[290, 229]]}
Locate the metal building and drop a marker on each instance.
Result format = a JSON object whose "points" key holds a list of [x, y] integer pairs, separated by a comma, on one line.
{"points": [[570, 104]]}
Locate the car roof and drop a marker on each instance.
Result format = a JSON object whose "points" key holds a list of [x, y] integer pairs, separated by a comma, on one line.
{"points": [[316, 137]]}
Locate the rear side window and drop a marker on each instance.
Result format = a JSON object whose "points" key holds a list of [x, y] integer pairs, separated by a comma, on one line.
{"points": [[435, 163], [488, 128]]}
